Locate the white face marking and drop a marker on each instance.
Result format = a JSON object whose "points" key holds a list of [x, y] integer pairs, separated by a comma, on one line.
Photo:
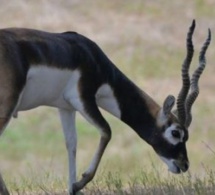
{"points": [[170, 163], [168, 135], [106, 100]]}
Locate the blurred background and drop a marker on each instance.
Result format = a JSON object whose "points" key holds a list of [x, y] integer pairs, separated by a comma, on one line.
{"points": [[146, 40]]}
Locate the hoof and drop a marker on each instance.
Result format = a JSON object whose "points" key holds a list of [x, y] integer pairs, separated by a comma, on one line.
{"points": [[77, 193]]}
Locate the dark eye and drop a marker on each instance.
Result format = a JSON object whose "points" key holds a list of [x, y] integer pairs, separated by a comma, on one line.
{"points": [[176, 134]]}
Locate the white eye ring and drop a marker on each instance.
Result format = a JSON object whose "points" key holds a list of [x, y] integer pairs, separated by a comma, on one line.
{"points": [[173, 135]]}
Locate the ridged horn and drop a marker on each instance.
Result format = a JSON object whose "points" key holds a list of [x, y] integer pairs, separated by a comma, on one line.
{"points": [[194, 88], [181, 110]]}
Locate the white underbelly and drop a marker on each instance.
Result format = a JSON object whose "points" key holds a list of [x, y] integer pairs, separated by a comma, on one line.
{"points": [[47, 86], [44, 86]]}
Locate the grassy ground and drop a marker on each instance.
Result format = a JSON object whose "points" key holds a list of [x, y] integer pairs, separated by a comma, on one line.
{"points": [[146, 39]]}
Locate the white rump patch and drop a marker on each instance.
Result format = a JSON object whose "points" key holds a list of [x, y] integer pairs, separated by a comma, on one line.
{"points": [[168, 135], [106, 100]]}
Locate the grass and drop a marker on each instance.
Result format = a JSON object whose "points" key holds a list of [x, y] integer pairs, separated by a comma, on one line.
{"points": [[146, 40], [140, 182]]}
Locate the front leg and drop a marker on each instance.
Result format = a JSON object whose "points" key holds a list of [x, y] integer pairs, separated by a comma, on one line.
{"points": [[68, 124], [88, 108], [3, 188], [88, 175]]}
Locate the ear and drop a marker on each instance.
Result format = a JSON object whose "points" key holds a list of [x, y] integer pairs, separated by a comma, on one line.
{"points": [[165, 110], [168, 105]]}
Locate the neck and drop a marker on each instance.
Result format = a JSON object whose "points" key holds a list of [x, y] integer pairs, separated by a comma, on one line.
{"points": [[138, 110]]}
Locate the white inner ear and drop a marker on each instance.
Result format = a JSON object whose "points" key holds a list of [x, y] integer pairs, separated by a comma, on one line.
{"points": [[161, 118], [168, 134]]}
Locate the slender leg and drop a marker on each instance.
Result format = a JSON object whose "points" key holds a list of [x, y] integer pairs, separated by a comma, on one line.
{"points": [[88, 108], [10, 89], [3, 188], [88, 175], [68, 123]]}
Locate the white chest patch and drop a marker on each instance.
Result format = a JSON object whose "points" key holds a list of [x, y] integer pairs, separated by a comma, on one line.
{"points": [[106, 100], [168, 135]]}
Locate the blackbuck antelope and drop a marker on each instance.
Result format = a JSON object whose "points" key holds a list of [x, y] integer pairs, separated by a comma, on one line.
{"points": [[70, 72]]}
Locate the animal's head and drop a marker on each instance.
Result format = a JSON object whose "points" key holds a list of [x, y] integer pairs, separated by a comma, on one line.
{"points": [[169, 141]]}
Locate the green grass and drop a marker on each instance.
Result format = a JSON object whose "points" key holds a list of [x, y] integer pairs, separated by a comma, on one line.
{"points": [[146, 40]]}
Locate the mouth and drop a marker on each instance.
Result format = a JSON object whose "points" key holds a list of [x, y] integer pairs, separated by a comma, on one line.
{"points": [[176, 167], [180, 167]]}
